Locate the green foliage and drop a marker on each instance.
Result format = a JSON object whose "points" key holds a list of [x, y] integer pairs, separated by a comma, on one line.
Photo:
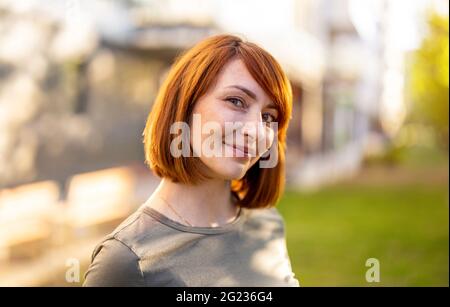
{"points": [[428, 82]]}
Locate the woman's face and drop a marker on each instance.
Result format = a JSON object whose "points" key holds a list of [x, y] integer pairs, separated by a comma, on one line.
{"points": [[235, 113]]}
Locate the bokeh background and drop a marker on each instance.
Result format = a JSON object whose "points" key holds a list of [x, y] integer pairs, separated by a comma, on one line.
{"points": [[367, 160]]}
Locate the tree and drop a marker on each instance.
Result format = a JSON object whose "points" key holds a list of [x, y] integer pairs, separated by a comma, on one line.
{"points": [[428, 81]]}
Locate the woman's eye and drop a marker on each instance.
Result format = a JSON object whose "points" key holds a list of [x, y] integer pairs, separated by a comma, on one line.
{"points": [[268, 118], [237, 102]]}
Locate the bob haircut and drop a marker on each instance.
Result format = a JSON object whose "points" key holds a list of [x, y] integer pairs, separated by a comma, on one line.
{"points": [[190, 77]]}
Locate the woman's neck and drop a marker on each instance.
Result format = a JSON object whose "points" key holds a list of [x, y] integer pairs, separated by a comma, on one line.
{"points": [[208, 204]]}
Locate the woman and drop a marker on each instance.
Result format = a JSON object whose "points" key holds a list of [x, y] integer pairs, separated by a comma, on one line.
{"points": [[211, 221]]}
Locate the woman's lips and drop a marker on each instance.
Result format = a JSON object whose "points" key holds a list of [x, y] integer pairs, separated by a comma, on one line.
{"points": [[239, 152]]}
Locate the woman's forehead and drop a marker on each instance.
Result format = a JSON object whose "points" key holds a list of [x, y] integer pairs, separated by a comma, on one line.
{"points": [[235, 76], [235, 71]]}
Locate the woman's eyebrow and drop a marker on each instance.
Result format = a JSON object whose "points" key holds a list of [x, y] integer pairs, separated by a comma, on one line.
{"points": [[244, 89], [251, 94], [272, 106]]}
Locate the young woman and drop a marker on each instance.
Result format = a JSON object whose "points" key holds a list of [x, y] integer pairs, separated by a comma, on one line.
{"points": [[212, 220]]}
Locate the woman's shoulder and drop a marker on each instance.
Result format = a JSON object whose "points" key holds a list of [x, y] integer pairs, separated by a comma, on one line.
{"points": [[262, 219], [271, 213], [116, 257], [264, 214], [114, 264]]}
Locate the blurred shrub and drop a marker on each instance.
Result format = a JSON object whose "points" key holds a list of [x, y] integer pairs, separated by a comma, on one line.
{"points": [[427, 85]]}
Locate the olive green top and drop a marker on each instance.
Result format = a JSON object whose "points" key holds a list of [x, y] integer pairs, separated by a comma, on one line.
{"points": [[149, 249]]}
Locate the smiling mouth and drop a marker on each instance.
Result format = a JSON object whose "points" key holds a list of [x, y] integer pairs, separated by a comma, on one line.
{"points": [[239, 152]]}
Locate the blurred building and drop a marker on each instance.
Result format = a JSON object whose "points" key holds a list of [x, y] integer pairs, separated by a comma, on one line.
{"points": [[77, 82], [78, 77]]}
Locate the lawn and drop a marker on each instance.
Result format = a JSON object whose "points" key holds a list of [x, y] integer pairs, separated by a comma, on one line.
{"points": [[402, 221]]}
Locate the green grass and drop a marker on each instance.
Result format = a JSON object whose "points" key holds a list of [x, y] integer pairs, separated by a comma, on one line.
{"points": [[333, 231]]}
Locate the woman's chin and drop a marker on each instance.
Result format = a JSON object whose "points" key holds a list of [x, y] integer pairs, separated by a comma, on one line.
{"points": [[232, 168]]}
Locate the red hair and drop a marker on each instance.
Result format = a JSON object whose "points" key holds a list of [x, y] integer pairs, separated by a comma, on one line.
{"points": [[190, 77]]}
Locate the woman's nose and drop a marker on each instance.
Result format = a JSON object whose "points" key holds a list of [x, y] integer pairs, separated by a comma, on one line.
{"points": [[257, 134], [251, 126]]}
